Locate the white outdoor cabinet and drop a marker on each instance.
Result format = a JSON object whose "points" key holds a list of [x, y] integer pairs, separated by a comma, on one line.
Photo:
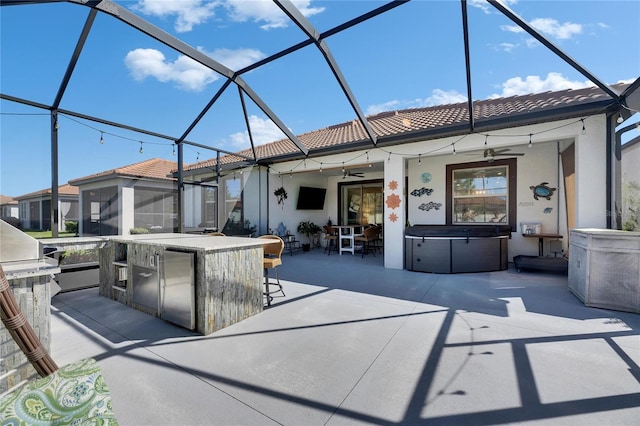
{"points": [[604, 268]]}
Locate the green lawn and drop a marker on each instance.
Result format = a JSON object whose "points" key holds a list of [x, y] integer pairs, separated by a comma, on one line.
{"points": [[47, 234]]}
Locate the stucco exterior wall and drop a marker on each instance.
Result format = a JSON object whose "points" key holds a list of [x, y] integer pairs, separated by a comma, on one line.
{"points": [[591, 179], [539, 164]]}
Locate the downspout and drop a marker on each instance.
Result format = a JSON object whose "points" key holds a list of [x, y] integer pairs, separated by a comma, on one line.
{"points": [[564, 188], [53, 212], [180, 189], [611, 207]]}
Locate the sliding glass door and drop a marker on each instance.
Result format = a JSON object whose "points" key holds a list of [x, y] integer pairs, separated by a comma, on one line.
{"points": [[361, 203]]}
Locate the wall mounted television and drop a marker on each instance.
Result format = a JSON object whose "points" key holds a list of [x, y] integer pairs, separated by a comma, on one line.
{"points": [[311, 198]]}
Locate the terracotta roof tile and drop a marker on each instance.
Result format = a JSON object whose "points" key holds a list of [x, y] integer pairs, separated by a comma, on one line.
{"points": [[155, 168], [5, 200], [65, 189], [394, 123]]}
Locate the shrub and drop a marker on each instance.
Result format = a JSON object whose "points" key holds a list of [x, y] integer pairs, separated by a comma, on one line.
{"points": [[72, 257], [134, 231], [71, 226]]}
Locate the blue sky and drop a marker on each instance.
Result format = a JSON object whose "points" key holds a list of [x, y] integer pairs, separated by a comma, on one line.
{"points": [[411, 56]]}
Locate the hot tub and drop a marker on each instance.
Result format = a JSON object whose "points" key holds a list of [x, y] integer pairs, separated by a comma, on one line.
{"points": [[450, 249]]}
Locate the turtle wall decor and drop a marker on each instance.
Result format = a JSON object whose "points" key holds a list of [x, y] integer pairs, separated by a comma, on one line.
{"points": [[542, 191]]}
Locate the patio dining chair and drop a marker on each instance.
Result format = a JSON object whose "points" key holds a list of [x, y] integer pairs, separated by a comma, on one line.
{"points": [[331, 239], [272, 259], [369, 239]]}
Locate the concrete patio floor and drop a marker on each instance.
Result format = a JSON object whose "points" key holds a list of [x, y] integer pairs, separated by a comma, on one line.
{"points": [[354, 343]]}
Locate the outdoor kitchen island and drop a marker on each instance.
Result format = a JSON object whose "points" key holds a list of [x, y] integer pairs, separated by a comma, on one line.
{"points": [[199, 282]]}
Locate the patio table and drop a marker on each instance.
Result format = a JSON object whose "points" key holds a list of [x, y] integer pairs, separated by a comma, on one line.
{"points": [[347, 233]]}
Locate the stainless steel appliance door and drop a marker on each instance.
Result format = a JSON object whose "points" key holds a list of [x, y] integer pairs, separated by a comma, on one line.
{"points": [[144, 285], [177, 288]]}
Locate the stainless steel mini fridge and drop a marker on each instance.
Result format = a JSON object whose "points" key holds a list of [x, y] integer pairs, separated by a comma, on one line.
{"points": [[168, 287], [177, 288]]}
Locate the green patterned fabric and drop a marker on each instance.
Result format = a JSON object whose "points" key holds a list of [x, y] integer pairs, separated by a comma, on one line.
{"points": [[74, 395]]}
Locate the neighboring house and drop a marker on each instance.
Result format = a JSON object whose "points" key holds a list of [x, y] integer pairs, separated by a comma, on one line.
{"points": [[140, 195], [631, 184], [8, 207], [35, 208], [428, 167]]}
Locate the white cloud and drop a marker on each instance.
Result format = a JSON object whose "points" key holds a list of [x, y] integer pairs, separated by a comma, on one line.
{"points": [[534, 84], [552, 27], [442, 97], [186, 73], [188, 12], [386, 106], [438, 97], [267, 11], [507, 47], [484, 6], [549, 27], [236, 59], [262, 131]]}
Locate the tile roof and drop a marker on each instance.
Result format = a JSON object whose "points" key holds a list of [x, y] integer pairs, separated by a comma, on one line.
{"points": [[5, 200], [65, 189], [431, 122], [154, 168]]}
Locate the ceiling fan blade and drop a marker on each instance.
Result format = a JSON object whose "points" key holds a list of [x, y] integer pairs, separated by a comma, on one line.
{"points": [[510, 154], [500, 151]]}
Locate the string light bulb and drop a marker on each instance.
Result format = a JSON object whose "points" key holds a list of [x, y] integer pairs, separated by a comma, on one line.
{"points": [[620, 119], [530, 144], [454, 148], [419, 159], [140, 150], [368, 162], [321, 167], [485, 140], [389, 159], [343, 167], [101, 138], [198, 158], [174, 150], [584, 129]]}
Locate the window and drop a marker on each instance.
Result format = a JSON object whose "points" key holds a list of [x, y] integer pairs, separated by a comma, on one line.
{"points": [[233, 200], [155, 209], [210, 206], [482, 192]]}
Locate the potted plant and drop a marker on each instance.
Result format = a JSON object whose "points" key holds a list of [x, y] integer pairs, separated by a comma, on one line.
{"points": [[307, 228]]}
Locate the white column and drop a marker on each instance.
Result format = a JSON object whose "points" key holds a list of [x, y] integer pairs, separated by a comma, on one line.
{"points": [[127, 207], [394, 218], [591, 175]]}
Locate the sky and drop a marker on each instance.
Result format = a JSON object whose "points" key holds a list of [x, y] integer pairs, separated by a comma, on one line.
{"points": [[411, 56]]}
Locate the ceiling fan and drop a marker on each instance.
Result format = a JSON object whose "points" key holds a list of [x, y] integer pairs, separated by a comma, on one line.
{"points": [[490, 153], [349, 173]]}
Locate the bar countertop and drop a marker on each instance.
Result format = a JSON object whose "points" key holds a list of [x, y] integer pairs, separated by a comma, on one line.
{"points": [[190, 241]]}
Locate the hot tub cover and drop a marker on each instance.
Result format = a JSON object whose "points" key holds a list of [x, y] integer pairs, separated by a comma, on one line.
{"points": [[458, 231]]}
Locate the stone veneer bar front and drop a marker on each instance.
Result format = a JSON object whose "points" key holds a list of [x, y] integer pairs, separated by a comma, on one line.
{"points": [[228, 273]]}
